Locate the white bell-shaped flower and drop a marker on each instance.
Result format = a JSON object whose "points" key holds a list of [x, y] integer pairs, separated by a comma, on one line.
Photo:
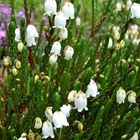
{"points": [[71, 96], [80, 101], [68, 10], [48, 113], [31, 34], [47, 130], [59, 119], [92, 89], [56, 48], [135, 10], [63, 34], [68, 52], [135, 136], [132, 97], [22, 138], [17, 34], [118, 6], [60, 20], [66, 109], [53, 59], [50, 7], [128, 4], [78, 21], [121, 95], [110, 43], [38, 123]]}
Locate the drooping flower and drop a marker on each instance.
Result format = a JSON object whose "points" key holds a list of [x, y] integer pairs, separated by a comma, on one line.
{"points": [[135, 10], [128, 4], [7, 61], [78, 21], [71, 96], [132, 96], [56, 48], [47, 130], [17, 34], [59, 119], [48, 113], [92, 89], [121, 95], [31, 34], [118, 6], [63, 34], [68, 10], [60, 20], [80, 101], [18, 64], [66, 109], [38, 123], [23, 136], [68, 52], [53, 59], [50, 7], [135, 136]]}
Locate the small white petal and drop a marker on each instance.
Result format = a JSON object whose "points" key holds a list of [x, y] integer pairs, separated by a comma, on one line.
{"points": [[17, 35]]}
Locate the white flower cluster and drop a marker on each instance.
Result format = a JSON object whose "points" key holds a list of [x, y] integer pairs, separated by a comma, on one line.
{"points": [[133, 34], [31, 35], [121, 95], [58, 119], [60, 21]]}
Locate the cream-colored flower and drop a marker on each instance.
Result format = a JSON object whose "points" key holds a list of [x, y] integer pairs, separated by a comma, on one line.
{"points": [[7, 61], [121, 95], [20, 46], [132, 96], [63, 34], [48, 113], [71, 96], [78, 21], [68, 52], [38, 123], [18, 64]]}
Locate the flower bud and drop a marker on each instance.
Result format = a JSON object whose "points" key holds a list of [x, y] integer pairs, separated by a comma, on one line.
{"points": [[7, 61], [14, 71], [36, 78], [132, 97], [18, 64], [50, 7], [56, 48], [20, 46], [68, 52], [80, 126], [71, 96], [38, 123], [17, 34], [59, 20], [135, 10], [68, 10], [78, 21], [53, 59], [48, 113], [63, 34]]}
